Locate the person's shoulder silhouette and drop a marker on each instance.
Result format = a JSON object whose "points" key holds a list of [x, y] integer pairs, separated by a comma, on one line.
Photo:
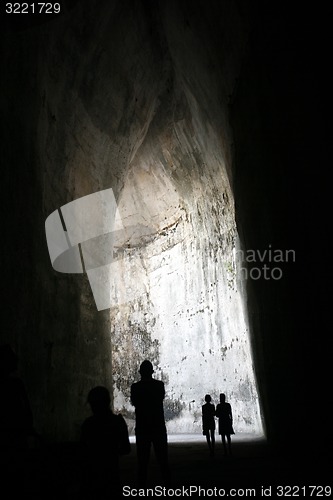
{"points": [[104, 431], [104, 437]]}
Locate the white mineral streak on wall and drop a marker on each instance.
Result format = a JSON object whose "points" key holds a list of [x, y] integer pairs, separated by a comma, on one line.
{"points": [[185, 297]]}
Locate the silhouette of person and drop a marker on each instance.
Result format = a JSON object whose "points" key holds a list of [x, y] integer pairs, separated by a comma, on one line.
{"points": [[224, 414], [104, 437], [147, 397], [16, 424], [208, 423]]}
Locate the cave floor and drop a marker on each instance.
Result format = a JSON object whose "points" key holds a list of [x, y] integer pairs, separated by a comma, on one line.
{"points": [[254, 469], [253, 464]]}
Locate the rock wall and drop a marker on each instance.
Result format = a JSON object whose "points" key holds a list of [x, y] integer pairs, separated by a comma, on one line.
{"points": [[176, 300]]}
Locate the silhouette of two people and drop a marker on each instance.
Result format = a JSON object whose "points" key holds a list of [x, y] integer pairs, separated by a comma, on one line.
{"points": [[224, 414], [208, 423], [104, 438], [147, 397]]}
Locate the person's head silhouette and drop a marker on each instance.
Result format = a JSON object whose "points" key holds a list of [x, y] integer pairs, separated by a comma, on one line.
{"points": [[146, 369], [99, 399], [222, 398], [208, 398]]}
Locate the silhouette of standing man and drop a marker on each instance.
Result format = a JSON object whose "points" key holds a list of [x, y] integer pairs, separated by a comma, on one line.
{"points": [[147, 396]]}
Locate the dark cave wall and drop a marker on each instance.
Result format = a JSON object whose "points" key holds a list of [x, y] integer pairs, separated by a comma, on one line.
{"points": [[277, 117], [51, 346], [264, 191]]}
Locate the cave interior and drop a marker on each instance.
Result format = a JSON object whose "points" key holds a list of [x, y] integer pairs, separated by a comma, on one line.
{"points": [[205, 118]]}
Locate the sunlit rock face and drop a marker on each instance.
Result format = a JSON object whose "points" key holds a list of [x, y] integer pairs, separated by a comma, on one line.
{"points": [[175, 296]]}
